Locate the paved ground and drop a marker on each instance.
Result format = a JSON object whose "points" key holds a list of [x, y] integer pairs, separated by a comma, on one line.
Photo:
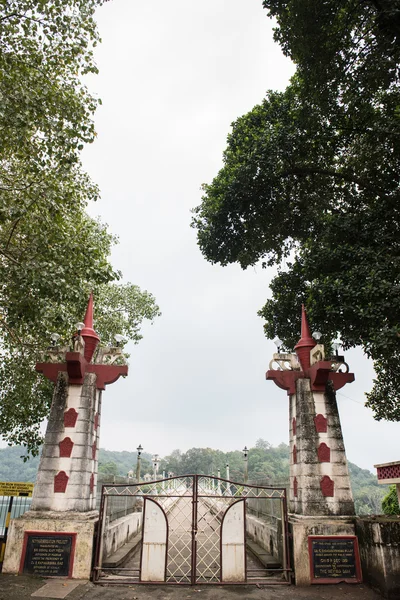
{"points": [[19, 587]]}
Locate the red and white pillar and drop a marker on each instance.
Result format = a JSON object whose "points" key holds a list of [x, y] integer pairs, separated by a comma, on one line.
{"points": [[320, 497]]}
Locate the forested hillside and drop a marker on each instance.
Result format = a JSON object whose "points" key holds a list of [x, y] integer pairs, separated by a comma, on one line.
{"points": [[265, 461]]}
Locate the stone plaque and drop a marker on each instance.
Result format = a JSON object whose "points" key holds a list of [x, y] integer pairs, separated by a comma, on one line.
{"points": [[334, 559], [48, 554]]}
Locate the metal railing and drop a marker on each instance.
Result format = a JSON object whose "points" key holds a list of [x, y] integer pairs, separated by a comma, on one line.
{"points": [[20, 505]]}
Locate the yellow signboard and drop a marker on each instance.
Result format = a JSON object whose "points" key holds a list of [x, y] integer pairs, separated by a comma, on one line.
{"points": [[15, 488]]}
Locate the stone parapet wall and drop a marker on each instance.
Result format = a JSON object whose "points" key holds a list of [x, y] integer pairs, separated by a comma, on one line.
{"points": [[266, 534], [119, 532], [379, 542]]}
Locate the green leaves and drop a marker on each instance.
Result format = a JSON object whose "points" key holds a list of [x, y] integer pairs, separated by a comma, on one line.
{"points": [[310, 184], [390, 503], [52, 254]]}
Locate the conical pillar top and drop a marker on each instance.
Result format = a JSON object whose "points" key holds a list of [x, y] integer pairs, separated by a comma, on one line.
{"points": [[306, 342], [88, 333]]}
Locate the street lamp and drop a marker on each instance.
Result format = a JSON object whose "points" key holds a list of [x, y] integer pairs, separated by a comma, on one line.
{"points": [[246, 463], [228, 486], [156, 462], [139, 458], [317, 335], [278, 343]]}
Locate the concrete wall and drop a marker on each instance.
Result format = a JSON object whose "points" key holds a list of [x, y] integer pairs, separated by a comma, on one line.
{"points": [[379, 541], [83, 524], [301, 527], [119, 532], [267, 535]]}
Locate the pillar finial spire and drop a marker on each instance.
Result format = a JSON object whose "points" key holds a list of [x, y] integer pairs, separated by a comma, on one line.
{"points": [[306, 342], [88, 333]]}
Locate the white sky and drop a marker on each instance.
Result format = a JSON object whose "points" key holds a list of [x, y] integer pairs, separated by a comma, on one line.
{"points": [[173, 77]]}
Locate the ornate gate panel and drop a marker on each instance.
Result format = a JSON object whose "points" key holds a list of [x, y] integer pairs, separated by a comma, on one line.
{"points": [[233, 543], [154, 542], [191, 530]]}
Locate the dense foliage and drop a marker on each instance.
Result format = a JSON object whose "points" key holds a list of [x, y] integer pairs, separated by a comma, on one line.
{"points": [[120, 463], [265, 463], [310, 184], [52, 254], [390, 503]]}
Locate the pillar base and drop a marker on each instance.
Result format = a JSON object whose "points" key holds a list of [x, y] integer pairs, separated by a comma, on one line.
{"points": [[301, 528], [52, 544]]}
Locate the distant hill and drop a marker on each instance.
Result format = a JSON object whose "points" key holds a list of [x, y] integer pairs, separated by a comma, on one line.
{"points": [[265, 461]]}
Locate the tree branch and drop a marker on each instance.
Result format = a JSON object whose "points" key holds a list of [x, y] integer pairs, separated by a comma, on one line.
{"points": [[17, 221]]}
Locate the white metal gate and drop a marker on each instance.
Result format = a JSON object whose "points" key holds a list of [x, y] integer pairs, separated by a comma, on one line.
{"points": [[197, 529]]}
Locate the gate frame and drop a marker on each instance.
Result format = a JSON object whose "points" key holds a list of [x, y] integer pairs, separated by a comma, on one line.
{"points": [[286, 569]]}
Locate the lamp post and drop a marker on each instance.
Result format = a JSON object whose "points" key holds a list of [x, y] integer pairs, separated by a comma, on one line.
{"points": [[139, 458], [219, 491], [156, 461], [228, 486], [246, 463]]}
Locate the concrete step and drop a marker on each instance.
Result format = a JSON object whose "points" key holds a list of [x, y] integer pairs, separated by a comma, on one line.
{"points": [[122, 554], [266, 559]]}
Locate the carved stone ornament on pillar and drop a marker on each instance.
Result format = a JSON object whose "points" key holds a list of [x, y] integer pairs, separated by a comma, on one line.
{"points": [[107, 367], [290, 368]]}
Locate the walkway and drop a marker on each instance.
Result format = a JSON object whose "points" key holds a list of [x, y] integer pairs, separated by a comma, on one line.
{"points": [[21, 587]]}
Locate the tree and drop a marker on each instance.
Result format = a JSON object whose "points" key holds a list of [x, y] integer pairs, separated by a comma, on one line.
{"points": [[390, 503], [263, 444], [368, 494], [52, 254], [310, 185], [111, 468]]}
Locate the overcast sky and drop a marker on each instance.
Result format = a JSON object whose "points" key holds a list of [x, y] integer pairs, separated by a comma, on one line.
{"points": [[173, 77]]}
